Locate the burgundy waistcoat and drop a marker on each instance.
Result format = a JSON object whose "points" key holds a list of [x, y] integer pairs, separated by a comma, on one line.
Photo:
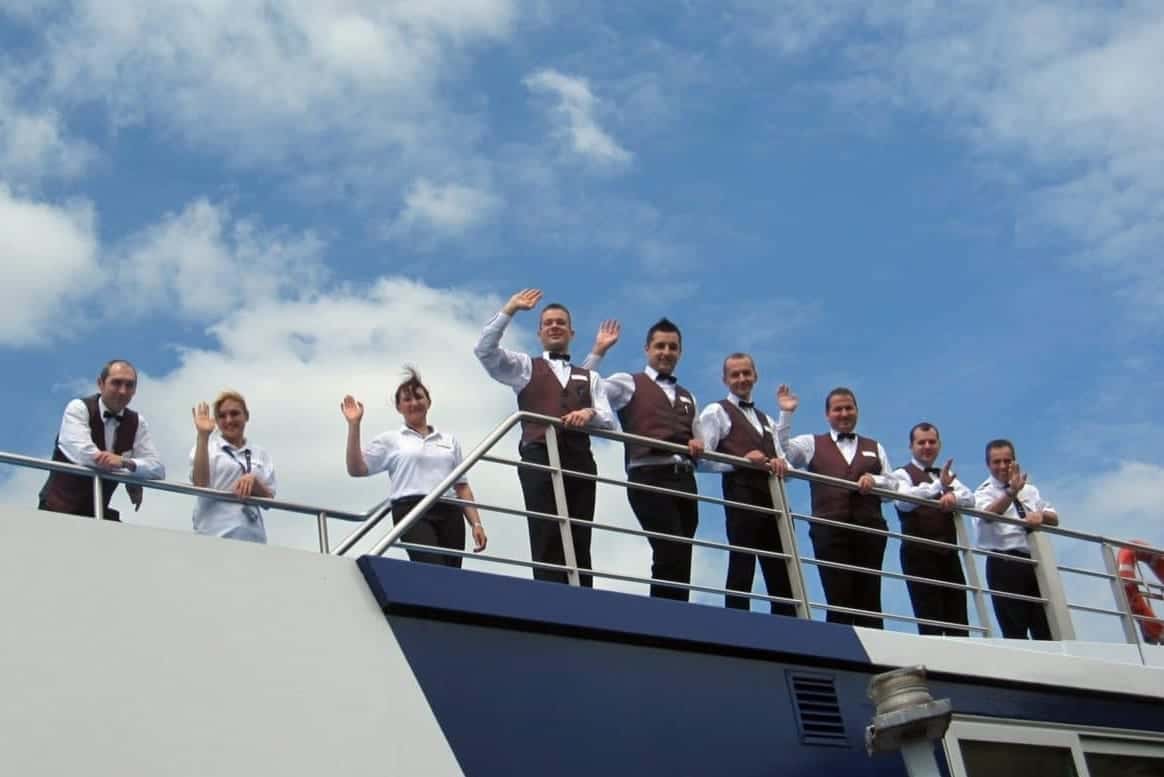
{"points": [[839, 504], [544, 395], [66, 493], [651, 414], [742, 437], [922, 521]]}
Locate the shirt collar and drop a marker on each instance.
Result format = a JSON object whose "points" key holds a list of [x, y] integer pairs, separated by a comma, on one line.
{"points": [[833, 433], [736, 400], [101, 410], [406, 429], [997, 483], [221, 442], [916, 463]]}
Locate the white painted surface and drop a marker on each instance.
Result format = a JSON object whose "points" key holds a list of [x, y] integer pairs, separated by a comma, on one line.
{"points": [[1089, 666], [133, 651]]}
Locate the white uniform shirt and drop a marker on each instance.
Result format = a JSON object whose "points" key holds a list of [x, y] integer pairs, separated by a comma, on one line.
{"points": [[620, 390], [415, 464], [715, 424], [76, 441], [227, 465], [997, 535], [516, 369], [931, 490], [800, 449]]}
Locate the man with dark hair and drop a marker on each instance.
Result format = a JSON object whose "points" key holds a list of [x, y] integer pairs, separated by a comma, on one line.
{"points": [[920, 478], [842, 453], [550, 385], [737, 427], [1006, 492], [100, 431], [651, 403]]}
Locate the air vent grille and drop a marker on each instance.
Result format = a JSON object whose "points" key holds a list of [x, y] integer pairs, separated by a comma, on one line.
{"points": [[818, 711]]}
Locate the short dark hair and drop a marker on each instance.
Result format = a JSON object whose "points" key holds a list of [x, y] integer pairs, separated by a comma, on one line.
{"points": [[923, 426], [839, 391], [556, 306], [739, 355], [664, 325], [412, 386], [999, 443], [111, 364]]}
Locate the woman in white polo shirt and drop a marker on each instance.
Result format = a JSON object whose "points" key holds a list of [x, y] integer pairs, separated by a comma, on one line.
{"points": [[417, 458], [223, 459]]}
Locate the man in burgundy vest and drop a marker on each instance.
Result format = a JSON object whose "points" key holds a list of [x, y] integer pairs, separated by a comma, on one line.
{"points": [[652, 404], [550, 385], [920, 478], [843, 454], [101, 432], [735, 426]]}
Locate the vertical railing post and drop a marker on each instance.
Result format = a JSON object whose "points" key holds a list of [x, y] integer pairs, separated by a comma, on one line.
{"points": [[1120, 594], [559, 483], [98, 499], [321, 522], [1051, 586], [972, 577], [787, 531]]}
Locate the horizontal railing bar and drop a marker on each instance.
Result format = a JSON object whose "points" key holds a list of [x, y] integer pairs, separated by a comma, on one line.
{"points": [[1086, 572], [176, 488], [1097, 610], [893, 616]]}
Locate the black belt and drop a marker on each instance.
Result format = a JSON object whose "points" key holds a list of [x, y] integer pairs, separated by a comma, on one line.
{"points": [[685, 467]]}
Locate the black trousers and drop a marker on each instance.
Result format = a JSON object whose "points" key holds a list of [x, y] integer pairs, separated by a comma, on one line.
{"points": [[666, 514], [443, 526], [110, 513], [751, 529], [935, 602], [545, 538], [1015, 617], [844, 588]]}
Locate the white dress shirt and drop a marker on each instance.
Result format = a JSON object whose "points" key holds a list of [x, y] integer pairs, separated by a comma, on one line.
{"points": [[800, 449], [516, 369], [76, 441], [715, 424], [997, 535], [931, 490], [415, 463], [227, 464]]}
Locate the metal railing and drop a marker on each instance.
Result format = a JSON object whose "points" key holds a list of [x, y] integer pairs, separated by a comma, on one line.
{"points": [[1047, 572], [321, 514]]}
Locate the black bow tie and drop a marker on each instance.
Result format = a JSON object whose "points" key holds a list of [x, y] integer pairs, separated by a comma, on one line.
{"points": [[846, 436], [934, 470], [564, 357], [665, 378], [746, 405], [110, 414]]}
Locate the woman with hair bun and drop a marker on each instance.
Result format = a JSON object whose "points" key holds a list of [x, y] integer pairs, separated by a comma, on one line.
{"points": [[223, 459], [417, 457]]}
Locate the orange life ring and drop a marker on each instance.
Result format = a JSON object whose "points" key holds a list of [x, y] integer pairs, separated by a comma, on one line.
{"points": [[1153, 630]]}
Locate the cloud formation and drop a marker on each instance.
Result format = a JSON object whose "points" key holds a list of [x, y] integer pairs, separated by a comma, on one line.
{"points": [[575, 117]]}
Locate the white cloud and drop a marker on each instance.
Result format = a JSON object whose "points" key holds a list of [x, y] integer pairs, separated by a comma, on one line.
{"points": [[34, 143], [574, 113], [443, 209], [1067, 88], [201, 264], [50, 263]]}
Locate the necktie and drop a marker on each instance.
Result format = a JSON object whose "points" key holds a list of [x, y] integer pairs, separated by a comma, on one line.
{"points": [[1018, 506], [564, 357], [846, 436], [934, 470], [664, 378], [110, 414], [747, 405]]}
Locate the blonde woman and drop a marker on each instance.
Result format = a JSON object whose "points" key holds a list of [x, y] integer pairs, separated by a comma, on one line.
{"points": [[223, 459], [417, 457]]}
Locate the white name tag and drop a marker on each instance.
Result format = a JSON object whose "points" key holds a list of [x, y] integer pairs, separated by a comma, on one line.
{"points": [[443, 444], [685, 399], [579, 377], [870, 454]]}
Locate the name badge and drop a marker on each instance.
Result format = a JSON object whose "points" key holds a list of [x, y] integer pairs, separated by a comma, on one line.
{"points": [[870, 454], [685, 399], [580, 377]]}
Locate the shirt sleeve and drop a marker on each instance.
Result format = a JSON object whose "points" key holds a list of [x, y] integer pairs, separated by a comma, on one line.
{"points": [[921, 491], [144, 455], [983, 496], [798, 450], [620, 388], [713, 426], [603, 415], [885, 481], [505, 366], [75, 439], [377, 452], [268, 478], [963, 496], [458, 457], [591, 361]]}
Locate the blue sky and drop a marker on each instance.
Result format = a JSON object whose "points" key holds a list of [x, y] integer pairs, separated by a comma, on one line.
{"points": [[955, 211]]}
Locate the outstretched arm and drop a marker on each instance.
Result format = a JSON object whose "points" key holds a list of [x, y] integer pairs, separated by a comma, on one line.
{"points": [[203, 426], [353, 412], [504, 366]]}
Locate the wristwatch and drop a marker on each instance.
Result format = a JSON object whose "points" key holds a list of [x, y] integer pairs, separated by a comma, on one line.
{"points": [[128, 463]]}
